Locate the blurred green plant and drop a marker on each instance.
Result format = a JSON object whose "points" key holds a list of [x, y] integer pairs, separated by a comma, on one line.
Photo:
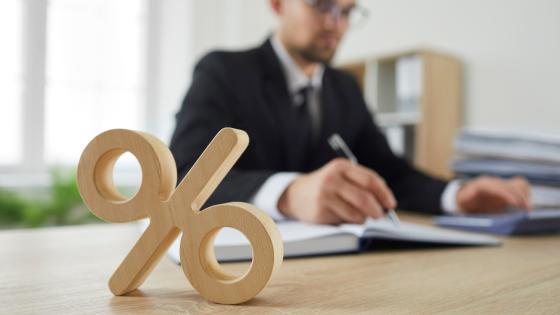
{"points": [[63, 206]]}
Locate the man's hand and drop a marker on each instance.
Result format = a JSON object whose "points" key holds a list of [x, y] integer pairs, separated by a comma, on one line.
{"points": [[492, 194], [338, 192]]}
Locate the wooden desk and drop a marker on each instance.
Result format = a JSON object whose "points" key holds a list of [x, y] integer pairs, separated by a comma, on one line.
{"points": [[65, 270]]}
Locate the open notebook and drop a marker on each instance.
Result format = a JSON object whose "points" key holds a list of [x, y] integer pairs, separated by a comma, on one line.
{"points": [[302, 239]]}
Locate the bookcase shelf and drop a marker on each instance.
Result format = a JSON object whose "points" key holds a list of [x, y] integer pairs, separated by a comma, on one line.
{"points": [[420, 91], [391, 119]]}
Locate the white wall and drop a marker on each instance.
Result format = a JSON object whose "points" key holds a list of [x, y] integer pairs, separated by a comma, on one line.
{"points": [[182, 32], [510, 48], [170, 57]]}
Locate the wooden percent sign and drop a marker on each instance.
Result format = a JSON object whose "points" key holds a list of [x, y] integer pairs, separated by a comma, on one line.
{"points": [[174, 210]]}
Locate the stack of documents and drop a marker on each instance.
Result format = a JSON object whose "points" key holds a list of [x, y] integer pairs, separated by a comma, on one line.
{"points": [[508, 154]]}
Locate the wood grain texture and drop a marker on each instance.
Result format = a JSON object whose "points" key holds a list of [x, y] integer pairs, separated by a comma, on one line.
{"points": [[63, 271], [442, 112], [172, 211]]}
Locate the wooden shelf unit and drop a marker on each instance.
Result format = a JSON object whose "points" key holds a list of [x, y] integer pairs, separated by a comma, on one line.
{"points": [[430, 129]]}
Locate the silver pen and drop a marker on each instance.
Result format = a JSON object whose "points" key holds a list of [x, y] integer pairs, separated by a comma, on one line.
{"points": [[338, 145]]}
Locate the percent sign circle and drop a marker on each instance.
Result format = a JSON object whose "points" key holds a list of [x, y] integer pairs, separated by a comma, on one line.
{"points": [[173, 210]]}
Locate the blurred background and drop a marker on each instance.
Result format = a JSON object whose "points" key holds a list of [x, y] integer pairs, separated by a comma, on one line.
{"points": [[70, 69]]}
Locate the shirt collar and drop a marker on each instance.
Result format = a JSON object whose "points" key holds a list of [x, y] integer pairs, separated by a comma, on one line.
{"points": [[295, 77]]}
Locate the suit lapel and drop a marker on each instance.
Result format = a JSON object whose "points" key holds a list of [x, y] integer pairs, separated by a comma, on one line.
{"points": [[330, 122], [277, 98]]}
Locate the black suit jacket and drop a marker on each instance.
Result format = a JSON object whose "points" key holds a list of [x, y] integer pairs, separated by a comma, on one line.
{"points": [[247, 90]]}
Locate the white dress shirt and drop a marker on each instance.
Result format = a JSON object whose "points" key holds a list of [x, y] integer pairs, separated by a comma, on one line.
{"points": [[266, 198]]}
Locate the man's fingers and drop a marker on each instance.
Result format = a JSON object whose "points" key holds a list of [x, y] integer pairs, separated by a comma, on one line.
{"points": [[523, 188], [372, 182], [487, 193], [514, 198], [522, 201], [327, 217], [498, 190], [345, 211], [515, 190], [360, 199], [521, 183]]}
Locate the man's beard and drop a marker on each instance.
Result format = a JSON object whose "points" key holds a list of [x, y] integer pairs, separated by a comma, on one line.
{"points": [[315, 54]]}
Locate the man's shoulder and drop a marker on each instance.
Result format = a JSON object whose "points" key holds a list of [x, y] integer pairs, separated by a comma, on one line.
{"points": [[231, 61], [340, 78], [338, 73]]}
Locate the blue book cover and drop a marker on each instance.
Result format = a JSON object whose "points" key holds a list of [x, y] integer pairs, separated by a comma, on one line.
{"points": [[510, 223]]}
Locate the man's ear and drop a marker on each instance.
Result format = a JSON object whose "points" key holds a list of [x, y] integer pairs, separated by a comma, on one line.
{"points": [[277, 6]]}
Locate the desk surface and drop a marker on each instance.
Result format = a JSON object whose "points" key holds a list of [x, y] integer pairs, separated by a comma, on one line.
{"points": [[65, 270]]}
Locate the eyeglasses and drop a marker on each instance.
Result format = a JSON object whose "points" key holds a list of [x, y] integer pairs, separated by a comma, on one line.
{"points": [[354, 15]]}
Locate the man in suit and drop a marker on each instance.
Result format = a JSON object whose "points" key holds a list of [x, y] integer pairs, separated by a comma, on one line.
{"points": [[290, 101]]}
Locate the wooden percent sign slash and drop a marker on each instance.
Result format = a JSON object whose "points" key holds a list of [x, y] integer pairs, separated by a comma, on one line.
{"points": [[174, 210]]}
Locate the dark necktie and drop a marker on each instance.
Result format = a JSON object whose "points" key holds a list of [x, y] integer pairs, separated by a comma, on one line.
{"points": [[304, 120]]}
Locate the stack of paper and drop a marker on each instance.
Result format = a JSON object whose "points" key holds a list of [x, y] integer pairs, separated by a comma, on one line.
{"points": [[507, 154], [509, 145]]}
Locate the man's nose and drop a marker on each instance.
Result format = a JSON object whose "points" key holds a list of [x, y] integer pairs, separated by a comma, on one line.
{"points": [[333, 20]]}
